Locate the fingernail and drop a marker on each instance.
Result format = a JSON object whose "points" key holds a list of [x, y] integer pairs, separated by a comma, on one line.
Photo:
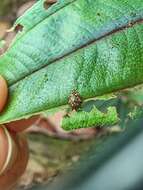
{"points": [[3, 93], [8, 150]]}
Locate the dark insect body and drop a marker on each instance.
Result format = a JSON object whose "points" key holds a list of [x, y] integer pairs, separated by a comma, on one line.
{"points": [[75, 100]]}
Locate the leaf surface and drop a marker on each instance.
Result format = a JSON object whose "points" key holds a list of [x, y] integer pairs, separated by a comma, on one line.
{"points": [[91, 46]]}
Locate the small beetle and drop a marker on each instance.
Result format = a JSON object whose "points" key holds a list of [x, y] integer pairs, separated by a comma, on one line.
{"points": [[75, 100]]}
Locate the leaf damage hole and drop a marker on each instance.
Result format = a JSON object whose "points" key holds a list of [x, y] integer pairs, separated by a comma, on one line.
{"points": [[18, 28], [49, 3]]}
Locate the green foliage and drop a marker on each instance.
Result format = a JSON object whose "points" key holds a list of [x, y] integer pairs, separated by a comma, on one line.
{"points": [[91, 46], [94, 118]]}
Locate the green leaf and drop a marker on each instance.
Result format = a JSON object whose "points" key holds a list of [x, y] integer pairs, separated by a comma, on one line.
{"points": [[91, 46], [94, 118]]}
